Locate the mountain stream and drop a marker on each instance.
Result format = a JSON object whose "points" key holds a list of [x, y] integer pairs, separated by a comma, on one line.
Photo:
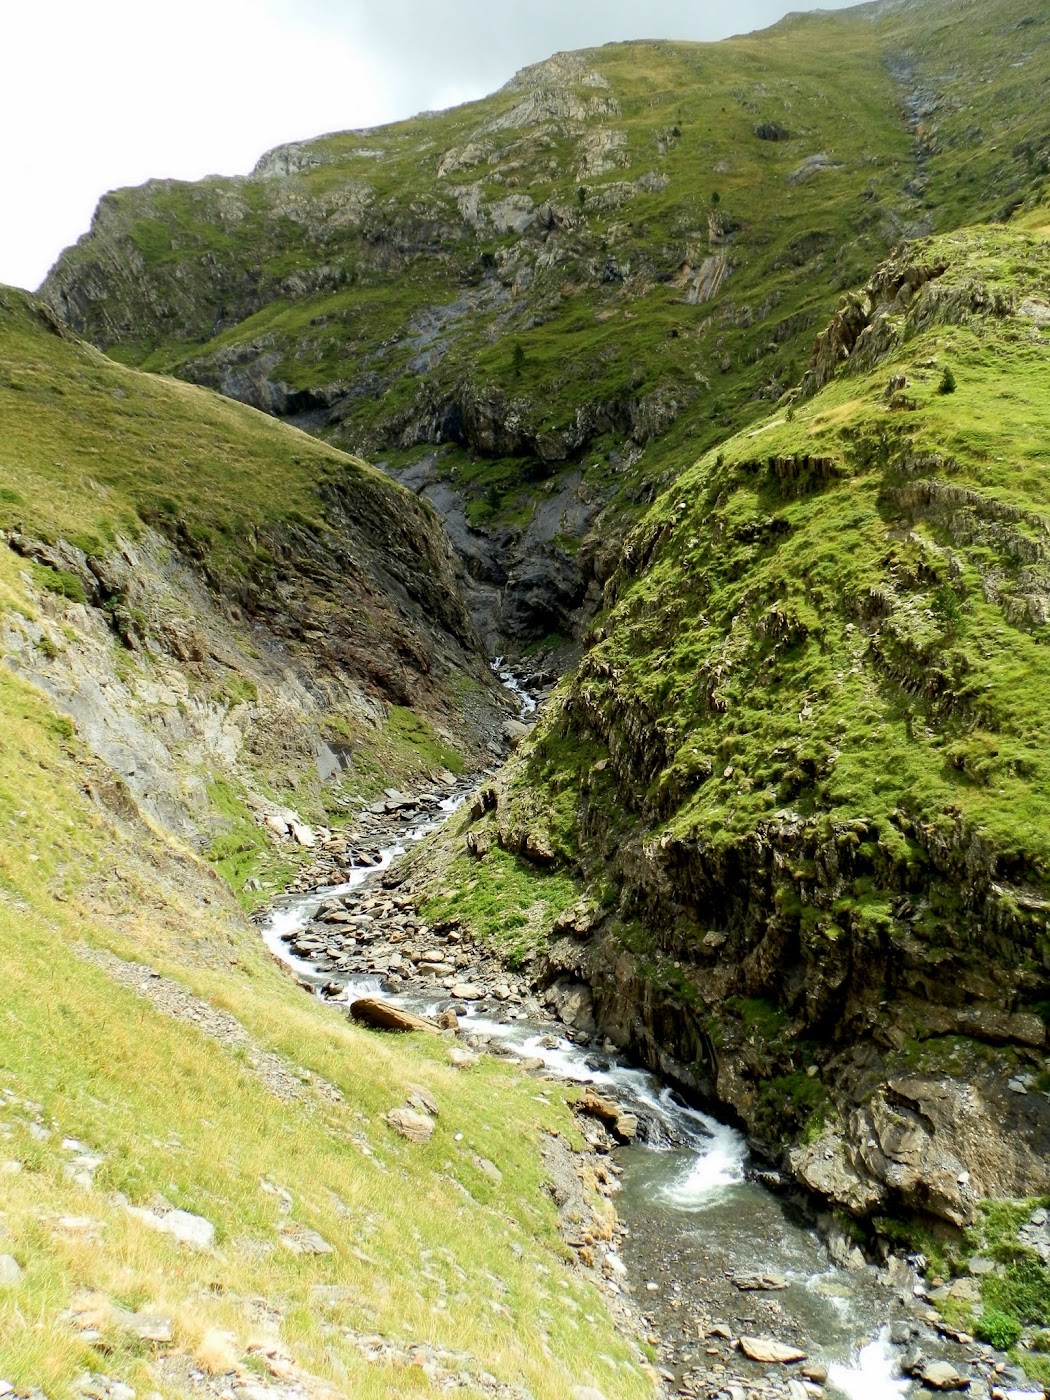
{"points": [[701, 1230]]}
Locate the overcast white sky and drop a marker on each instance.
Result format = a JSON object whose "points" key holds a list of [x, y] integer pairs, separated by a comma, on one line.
{"points": [[103, 93]]}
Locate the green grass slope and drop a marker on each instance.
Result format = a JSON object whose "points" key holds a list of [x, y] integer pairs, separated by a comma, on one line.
{"points": [[92, 451], [154, 1056], [239, 569], [181, 573]]}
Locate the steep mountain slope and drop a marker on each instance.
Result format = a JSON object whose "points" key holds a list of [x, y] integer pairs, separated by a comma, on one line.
{"points": [[229, 599], [802, 771], [200, 1190], [673, 221]]}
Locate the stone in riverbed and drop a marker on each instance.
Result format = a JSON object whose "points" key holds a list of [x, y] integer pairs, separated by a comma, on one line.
{"points": [[765, 1349], [759, 1283], [466, 991], [942, 1375]]}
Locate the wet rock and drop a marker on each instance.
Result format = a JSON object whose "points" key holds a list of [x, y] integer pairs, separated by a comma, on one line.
{"points": [[594, 1106], [814, 1371], [382, 1015], [573, 1003], [448, 1020], [467, 991], [942, 1375], [767, 1350], [416, 1127], [626, 1127]]}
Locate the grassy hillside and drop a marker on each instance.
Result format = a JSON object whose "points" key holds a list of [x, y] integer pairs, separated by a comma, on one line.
{"points": [[672, 220], [92, 451], [226, 1093], [259, 611], [172, 559]]}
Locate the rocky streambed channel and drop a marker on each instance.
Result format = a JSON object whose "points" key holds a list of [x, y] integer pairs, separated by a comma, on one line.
{"points": [[729, 1281]]}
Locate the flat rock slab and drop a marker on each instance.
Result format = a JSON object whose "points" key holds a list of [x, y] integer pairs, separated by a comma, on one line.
{"points": [[188, 1229], [760, 1283], [152, 1327], [300, 1239], [766, 1350], [383, 1016]]}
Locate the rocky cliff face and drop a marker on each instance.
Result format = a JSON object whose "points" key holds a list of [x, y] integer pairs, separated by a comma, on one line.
{"points": [[223, 600], [568, 289], [801, 768]]}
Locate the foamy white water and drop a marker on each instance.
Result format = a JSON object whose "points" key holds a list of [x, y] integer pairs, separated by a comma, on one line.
{"points": [[527, 705], [875, 1375], [720, 1164]]}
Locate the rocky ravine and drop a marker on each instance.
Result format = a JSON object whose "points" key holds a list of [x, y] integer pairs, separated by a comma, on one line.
{"points": [[719, 1331]]}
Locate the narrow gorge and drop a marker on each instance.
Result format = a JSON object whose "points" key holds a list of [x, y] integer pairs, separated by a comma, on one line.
{"points": [[523, 746]]}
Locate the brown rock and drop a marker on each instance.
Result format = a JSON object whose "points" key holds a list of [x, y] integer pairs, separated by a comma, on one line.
{"points": [[942, 1375], [422, 1100], [624, 1125], [383, 1016]]}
